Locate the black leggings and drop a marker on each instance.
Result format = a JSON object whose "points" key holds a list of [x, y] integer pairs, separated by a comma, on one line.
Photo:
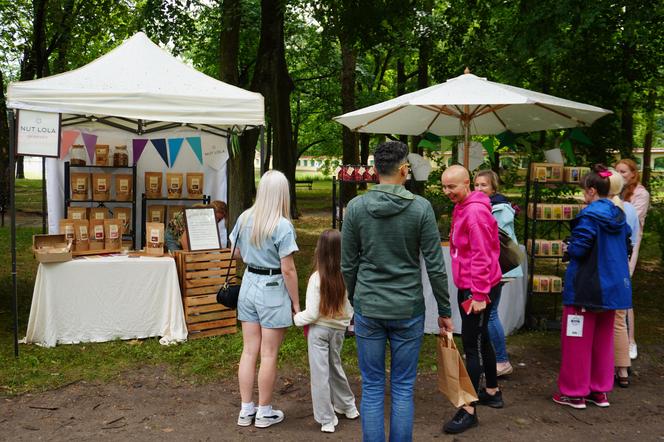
{"points": [[476, 340]]}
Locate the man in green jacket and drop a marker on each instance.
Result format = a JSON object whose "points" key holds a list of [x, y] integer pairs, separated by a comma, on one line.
{"points": [[384, 231]]}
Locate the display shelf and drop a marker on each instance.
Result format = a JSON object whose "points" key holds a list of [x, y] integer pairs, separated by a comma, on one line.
{"points": [[101, 203], [205, 199]]}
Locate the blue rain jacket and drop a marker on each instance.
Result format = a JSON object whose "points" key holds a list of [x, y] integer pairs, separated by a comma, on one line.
{"points": [[597, 276]]}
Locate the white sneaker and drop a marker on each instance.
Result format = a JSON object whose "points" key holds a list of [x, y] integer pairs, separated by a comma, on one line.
{"points": [[633, 354], [350, 414], [266, 421], [246, 420], [329, 427]]}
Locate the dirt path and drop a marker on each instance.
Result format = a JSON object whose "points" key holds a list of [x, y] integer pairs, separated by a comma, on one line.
{"points": [[151, 404]]}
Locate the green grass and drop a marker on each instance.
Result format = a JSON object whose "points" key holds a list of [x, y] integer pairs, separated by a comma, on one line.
{"points": [[210, 359]]}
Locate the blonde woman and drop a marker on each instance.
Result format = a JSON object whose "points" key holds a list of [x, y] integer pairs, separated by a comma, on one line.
{"points": [[265, 241], [633, 192]]}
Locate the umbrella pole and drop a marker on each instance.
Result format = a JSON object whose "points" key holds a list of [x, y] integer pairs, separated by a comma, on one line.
{"points": [[465, 120]]}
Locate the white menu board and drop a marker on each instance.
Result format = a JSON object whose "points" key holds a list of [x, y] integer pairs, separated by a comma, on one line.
{"points": [[202, 232]]}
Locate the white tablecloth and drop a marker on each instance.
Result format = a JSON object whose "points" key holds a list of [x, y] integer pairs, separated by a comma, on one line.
{"points": [[511, 310], [105, 298]]}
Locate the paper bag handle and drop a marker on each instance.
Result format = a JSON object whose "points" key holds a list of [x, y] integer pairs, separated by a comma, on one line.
{"points": [[448, 340]]}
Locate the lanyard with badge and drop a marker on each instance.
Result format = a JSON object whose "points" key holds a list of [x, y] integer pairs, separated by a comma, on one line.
{"points": [[575, 325]]}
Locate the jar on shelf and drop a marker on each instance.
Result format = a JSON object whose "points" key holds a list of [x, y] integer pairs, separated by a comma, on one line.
{"points": [[77, 155], [120, 156]]}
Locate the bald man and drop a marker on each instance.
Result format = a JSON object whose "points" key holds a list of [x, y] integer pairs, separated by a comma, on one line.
{"points": [[475, 249]]}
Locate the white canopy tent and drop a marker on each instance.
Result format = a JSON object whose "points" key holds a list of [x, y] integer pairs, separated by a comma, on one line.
{"points": [[140, 87]]}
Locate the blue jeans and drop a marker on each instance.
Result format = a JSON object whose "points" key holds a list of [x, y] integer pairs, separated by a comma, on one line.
{"points": [[496, 332], [405, 337]]}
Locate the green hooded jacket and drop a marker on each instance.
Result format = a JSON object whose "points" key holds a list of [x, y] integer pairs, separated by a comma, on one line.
{"points": [[383, 233]]}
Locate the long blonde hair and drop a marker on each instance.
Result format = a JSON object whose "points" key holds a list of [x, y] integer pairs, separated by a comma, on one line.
{"points": [[272, 203]]}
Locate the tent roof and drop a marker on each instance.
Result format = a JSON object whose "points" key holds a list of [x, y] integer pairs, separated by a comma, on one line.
{"points": [[138, 80]]}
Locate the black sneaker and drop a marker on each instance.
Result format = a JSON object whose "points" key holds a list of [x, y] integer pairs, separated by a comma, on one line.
{"points": [[461, 421], [493, 401]]}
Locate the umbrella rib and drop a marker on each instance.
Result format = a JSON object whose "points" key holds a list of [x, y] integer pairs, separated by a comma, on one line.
{"points": [[377, 118], [561, 114], [440, 109]]}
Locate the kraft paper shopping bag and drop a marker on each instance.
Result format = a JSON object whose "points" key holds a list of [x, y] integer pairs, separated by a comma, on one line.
{"points": [[453, 379]]}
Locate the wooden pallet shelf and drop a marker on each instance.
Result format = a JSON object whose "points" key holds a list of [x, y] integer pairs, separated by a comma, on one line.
{"points": [[201, 275]]}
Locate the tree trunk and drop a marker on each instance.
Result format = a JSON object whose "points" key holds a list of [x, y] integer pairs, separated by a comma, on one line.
{"points": [[401, 88], [271, 78], [241, 186], [627, 128], [268, 147], [364, 153], [647, 142], [349, 140]]}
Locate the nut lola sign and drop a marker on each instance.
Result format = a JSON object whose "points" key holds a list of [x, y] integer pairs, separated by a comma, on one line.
{"points": [[38, 134]]}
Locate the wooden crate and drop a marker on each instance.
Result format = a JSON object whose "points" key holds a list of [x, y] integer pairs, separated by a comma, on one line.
{"points": [[201, 276]]}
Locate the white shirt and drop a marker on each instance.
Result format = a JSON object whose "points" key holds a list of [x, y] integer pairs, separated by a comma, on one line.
{"points": [[311, 314]]}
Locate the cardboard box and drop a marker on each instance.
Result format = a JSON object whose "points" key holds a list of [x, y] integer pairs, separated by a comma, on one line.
{"points": [[51, 248]]}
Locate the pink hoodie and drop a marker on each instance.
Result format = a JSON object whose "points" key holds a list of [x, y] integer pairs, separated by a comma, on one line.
{"points": [[474, 246]]}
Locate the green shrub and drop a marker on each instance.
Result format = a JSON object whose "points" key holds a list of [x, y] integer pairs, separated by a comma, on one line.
{"points": [[655, 223]]}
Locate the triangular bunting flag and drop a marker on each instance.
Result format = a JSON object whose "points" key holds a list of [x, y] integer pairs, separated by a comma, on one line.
{"points": [[68, 138], [160, 145], [137, 150], [90, 140], [195, 144], [174, 145]]}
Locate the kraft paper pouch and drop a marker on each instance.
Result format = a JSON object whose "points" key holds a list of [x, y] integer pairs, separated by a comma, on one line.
{"points": [[80, 183], [77, 213], [96, 234], [123, 214], [67, 229], [453, 379], [101, 186], [123, 187], [82, 242], [174, 185], [155, 213], [101, 155], [154, 239], [153, 184], [195, 184], [98, 213], [113, 235]]}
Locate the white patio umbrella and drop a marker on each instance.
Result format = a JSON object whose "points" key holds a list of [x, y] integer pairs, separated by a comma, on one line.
{"points": [[470, 105]]}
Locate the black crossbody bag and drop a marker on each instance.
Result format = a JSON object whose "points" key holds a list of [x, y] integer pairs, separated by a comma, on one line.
{"points": [[229, 293]]}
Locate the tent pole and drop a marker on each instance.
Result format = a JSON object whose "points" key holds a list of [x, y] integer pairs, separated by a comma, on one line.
{"points": [[466, 141], [12, 206], [43, 161]]}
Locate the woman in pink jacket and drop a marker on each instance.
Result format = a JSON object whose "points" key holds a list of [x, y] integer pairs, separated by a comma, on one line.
{"points": [[475, 249]]}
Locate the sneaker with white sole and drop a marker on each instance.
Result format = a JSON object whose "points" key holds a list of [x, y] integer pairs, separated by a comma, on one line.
{"points": [[350, 414], [266, 421], [599, 399], [633, 353], [246, 419], [329, 427], [575, 402]]}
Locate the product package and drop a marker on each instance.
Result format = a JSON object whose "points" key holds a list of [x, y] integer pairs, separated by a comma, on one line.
{"points": [[77, 213], [547, 211], [80, 183], [545, 282], [556, 284], [174, 185], [557, 211], [123, 187], [101, 155], [195, 184], [96, 234], [156, 213], [101, 186], [567, 211], [154, 239], [98, 213], [67, 229], [556, 248], [123, 214], [120, 156], [112, 235], [153, 184], [545, 248], [536, 283], [82, 242]]}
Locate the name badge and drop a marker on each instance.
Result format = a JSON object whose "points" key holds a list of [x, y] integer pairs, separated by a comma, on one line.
{"points": [[575, 326]]}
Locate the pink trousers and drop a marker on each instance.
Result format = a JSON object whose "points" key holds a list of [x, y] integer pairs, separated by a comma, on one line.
{"points": [[586, 363]]}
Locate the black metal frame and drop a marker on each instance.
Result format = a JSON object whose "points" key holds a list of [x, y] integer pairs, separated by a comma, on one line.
{"points": [[205, 199]]}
